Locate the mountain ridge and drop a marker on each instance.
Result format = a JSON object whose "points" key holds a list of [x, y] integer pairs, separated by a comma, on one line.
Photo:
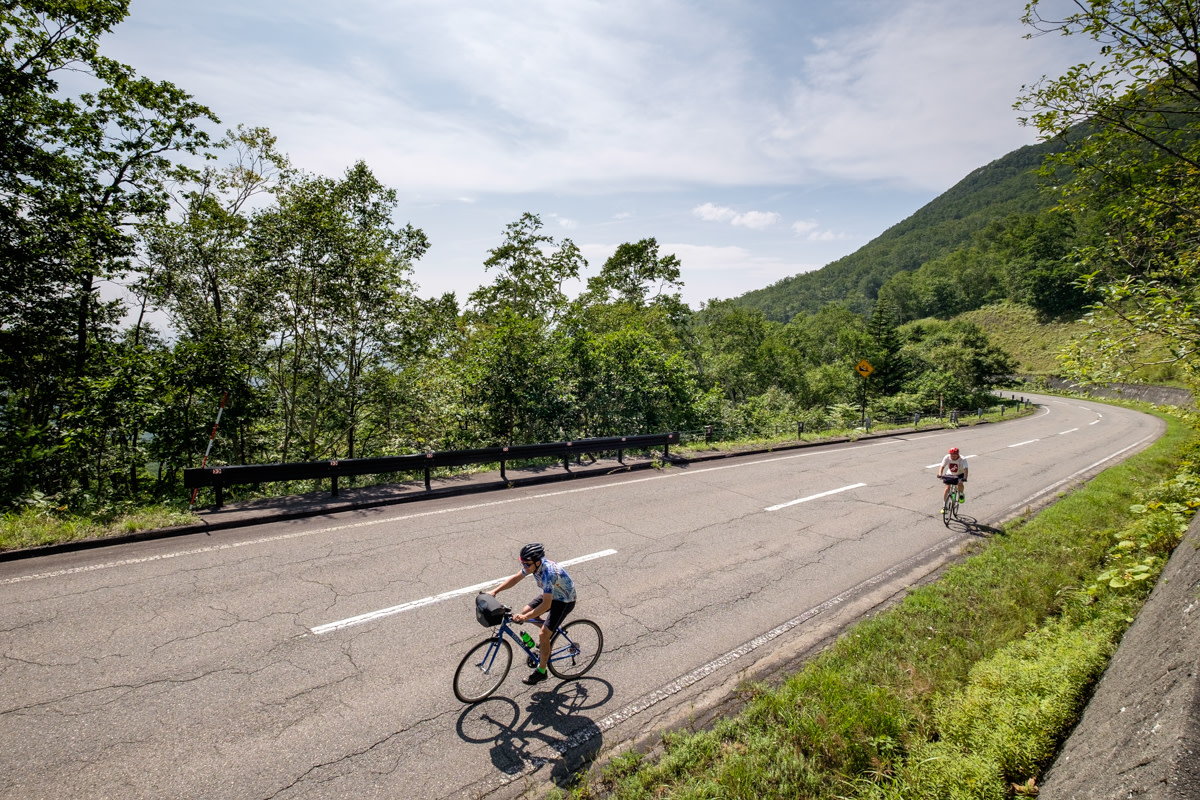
{"points": [[1007, 185]]}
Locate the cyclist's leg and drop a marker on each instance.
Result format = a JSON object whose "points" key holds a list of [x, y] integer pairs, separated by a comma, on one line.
{"points": [[559, 610]]}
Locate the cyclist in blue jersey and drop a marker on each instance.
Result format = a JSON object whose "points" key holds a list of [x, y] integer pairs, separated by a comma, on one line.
{"points": [[557, 598]]}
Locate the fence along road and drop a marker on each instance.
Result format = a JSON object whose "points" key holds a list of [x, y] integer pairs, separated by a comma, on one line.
{"points": [[260, 663]]}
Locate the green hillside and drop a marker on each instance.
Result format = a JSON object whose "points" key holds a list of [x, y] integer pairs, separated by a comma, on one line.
{"points": [[1031, 342], [947, 223]]}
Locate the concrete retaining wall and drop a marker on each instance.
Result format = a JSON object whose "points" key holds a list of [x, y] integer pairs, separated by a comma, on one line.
{"points": [[1159, 395], [1140, 734]]}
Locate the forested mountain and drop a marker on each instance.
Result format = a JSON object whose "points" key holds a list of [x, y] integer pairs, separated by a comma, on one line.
{"points": [[991, 193]]}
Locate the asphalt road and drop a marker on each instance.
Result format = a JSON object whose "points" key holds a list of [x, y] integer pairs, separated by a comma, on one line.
{"points": [[313, 658]]}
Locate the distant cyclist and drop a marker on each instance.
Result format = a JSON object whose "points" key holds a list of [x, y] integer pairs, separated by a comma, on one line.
{"points": [[557, 598], [953, 472]]}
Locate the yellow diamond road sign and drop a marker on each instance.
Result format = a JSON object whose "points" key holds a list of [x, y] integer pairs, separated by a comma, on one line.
{"points": [[864, 368]]}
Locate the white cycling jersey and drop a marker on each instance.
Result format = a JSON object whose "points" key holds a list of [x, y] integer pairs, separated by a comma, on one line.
{"points": [[953, 467]]}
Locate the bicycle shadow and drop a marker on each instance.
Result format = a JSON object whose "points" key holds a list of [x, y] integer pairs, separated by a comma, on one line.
{"points": [[972, 526], [556, 734]]}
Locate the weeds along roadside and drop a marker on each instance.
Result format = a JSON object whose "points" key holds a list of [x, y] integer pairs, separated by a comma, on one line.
{"points": [[967, 687]]}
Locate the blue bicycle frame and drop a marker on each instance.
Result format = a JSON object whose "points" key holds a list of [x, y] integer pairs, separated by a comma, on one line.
{"points": [[558, 654]]}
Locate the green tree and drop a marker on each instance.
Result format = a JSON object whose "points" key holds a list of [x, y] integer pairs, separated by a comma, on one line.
{"points": [[629, 366], [956, 364], [530, 270], [198, 268], [339, 270], [891, 369], [515, 358], [77, 174], [1137, 166]]}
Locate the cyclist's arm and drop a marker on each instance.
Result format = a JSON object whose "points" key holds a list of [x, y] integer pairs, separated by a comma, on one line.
{"points": [[541, 608], [508, 583]]}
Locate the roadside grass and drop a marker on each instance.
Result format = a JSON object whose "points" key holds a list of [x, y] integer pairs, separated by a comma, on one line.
{"points": [[36, 525], [964, 689]]}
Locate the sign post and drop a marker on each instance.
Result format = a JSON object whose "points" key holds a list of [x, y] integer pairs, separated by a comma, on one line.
{"points": [[864, 369]]}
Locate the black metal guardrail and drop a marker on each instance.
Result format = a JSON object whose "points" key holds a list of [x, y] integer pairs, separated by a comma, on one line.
{"points": [[243, 474], [720, 433]]}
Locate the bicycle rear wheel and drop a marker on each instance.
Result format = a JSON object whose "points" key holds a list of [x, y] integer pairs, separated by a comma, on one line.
{"points": [[575, 648], [482, 670]]}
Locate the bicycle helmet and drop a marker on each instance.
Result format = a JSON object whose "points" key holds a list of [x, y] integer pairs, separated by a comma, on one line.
{"points": [[953, 451], [532, 552]]}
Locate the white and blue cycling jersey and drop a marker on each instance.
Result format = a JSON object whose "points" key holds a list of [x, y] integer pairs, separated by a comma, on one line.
{"points": [[554, 580]]}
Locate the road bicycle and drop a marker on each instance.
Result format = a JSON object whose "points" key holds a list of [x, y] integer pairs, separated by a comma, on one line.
{"points": [[950, 504], [574, 649]]}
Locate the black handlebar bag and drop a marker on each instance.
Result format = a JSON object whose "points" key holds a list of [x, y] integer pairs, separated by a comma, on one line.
{"points": [[488, 610]]}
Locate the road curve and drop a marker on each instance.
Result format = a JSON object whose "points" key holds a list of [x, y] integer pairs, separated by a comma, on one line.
{"points": [[313, 658]]}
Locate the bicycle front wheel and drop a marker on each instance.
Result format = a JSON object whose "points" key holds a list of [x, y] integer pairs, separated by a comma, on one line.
{"points": [[575, 648], [482, 670], [950, 509]]}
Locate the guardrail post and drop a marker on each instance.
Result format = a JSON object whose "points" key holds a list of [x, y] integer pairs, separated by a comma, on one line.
{"points": [[220, 495], [428, 455], [621, 457], [707, 434], [334, 486], [981, 413], [799, 429], [916, 419]]}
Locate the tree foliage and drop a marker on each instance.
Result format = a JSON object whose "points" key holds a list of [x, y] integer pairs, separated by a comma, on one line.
{"points": [[1137, 170]]}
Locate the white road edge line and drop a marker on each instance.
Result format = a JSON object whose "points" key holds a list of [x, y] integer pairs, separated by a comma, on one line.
{"points": [[1018, 444], [814, 497], [330, 627], [1075, 475]]}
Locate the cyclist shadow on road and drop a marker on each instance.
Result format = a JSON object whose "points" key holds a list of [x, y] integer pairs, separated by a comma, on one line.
{"points": [[972, 526], [556, 734]]}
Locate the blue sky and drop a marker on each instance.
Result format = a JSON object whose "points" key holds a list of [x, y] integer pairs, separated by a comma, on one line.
{"points": [[754, 140]]}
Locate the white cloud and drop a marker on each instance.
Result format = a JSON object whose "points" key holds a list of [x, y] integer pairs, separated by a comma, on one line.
{"points": [[549, 96], [811, 231], [711, 272], [755, 220], [718, 272]]}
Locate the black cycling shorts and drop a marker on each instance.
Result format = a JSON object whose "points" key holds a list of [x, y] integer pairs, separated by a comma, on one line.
{"points": [[952, 480], [558, 610]]}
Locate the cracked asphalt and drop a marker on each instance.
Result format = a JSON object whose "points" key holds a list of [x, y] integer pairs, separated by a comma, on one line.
{"points": [[188, 667]]}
